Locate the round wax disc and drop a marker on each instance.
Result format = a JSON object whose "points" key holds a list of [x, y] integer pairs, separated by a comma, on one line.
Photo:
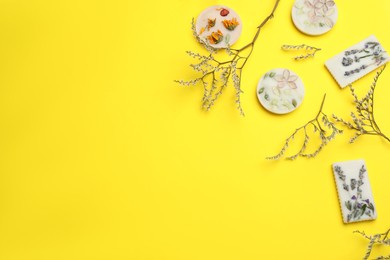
{"points": [[280, 91], [314, 17], [219, 25]]}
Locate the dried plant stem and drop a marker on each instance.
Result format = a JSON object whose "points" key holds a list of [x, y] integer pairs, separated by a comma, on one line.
{"points": [[318, 126], [310, 49], [375, 239], [216, 74], [363, 121]]}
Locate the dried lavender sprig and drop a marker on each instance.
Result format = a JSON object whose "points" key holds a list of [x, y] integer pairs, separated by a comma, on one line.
{"points": [[375, 239], [318, 128], [363, 120], [311, 51], [369, 247], [217, 74]]}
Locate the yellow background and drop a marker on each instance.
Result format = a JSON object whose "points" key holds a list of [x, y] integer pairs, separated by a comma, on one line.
{"points": [[103, 156]]}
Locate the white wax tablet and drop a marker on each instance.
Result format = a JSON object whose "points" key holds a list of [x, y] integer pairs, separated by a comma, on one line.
{"points": [[354, 191], [219, 25], [357, 61], [280, 91], [314, 17]]}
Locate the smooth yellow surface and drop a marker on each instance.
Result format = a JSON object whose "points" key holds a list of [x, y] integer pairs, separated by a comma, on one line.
{"points": [[103, 156]]}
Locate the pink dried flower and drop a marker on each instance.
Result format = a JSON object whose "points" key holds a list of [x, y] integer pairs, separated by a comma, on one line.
{"points": [[286, 79]]}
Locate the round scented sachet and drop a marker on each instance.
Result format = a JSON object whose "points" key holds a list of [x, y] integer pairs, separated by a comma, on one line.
{"points": [[280, 91], [220, 26], [314, 17]]}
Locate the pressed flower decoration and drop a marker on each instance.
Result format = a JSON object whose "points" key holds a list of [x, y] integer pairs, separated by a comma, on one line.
{"points": [[211, 23], [280, 91], [286, 79], [356, 204], [314, 17], [224, 12], [371, 50], [218, 72], [323, 5], [223, 22], [320, 12], [357, 61], [215, 37], [230, 24]]}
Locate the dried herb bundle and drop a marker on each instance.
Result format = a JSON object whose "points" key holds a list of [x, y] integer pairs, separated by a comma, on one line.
{"points": [[217, 74], [318, 124], [363, 121], [311, 51], [381, 239]]}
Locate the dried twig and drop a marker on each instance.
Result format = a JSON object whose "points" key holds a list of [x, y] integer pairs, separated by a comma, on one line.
{"points": [[363, 121], [216, 74], [375, 239], [310, 50], [318, 123]]}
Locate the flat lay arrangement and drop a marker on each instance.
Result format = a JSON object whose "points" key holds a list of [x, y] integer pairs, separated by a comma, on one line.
{"points": [[194, 130], [281, 91]]}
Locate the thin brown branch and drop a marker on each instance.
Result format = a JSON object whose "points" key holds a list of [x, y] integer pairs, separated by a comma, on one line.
{"points": [[363, 121], [373, 240], [210, 65], [318, 127]]}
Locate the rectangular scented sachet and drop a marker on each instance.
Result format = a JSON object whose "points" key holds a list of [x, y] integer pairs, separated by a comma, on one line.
{"points": [[357, 61], [354, 191]]}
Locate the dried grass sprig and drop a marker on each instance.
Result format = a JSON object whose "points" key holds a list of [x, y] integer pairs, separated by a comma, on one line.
{"points": [[310, 50], [318, 124], [375, 239], [217, 74], [363, 120]]}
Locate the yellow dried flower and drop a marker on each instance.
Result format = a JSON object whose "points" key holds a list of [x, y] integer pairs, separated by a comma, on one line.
{"points": [[230, 24], [215, 37], [211, 23]]}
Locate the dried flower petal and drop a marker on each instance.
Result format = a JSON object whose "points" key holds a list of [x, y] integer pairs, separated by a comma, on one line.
{"points": [[224, 12], [230, 24], [211, 23], [215, 37], [309, 4], [330, 3]]}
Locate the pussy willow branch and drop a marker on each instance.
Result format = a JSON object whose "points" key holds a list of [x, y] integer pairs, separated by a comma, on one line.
{"points": [[251, 45], [375, 239], [310, 49], [363, 122], [216, 73], [318, 127]]}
